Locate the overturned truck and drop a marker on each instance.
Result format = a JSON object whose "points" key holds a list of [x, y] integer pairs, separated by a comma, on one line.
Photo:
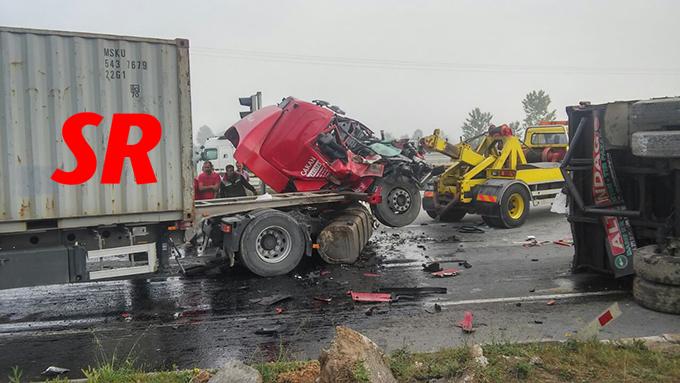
{"points": [[622, 171]]}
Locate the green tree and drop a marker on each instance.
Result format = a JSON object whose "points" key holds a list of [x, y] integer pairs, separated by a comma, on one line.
{"points": [[516, 128], [536, 105], [204, 132], [476, 123]]}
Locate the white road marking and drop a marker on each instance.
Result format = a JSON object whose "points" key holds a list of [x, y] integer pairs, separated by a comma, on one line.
{"points": [[532, 298]]}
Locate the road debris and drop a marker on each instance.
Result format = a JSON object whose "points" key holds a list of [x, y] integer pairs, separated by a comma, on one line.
{"points": [[269, 330], [445, 273], [126, 316], [432, 267], [531, 241], [470, 229], [534, 259], [371, 275], [279, 310], [466, 323], [551, 302], [370, 297], [323, 299], [413, 290], [564, 242], [434, 309], [55, 371], [538, 321], [273, 299], [376, 310]]}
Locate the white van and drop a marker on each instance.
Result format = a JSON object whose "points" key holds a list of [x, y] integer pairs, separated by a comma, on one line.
{"points": [[219, 151]]}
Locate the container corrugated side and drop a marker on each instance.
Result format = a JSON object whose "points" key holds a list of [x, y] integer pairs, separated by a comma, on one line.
{"points": [[46, 77]]}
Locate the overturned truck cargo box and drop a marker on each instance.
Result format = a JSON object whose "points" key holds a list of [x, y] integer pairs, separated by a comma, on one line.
{"points": [[623, 180]]}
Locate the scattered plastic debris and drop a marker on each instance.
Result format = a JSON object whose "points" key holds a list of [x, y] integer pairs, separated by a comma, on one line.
{"points": [[466, 323], [371, 275], [445, 273], [551, 302], [126, 316], [593, 328], [432, 267], [531, 241], [279, 310], [538, 321], [54, 371], [269, 330]]}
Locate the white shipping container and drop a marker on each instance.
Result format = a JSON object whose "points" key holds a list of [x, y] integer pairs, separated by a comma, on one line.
{"points": [[48, 76]]}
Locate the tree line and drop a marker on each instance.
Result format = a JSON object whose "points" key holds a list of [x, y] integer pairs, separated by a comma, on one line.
{"points": [[536, 105]]}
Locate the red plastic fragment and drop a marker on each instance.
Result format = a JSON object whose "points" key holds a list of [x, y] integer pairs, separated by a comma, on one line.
{"points": [[371, 275], [445, 273], [370, 297], [466, 323], [279, 310]]}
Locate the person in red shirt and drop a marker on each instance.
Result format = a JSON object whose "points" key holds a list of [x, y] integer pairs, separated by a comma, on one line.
{"points": [[208, 182]]}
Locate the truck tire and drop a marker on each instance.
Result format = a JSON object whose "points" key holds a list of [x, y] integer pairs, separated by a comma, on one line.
{"points": [[655, 114], [431, 213], [656, 267], [514, 207], [492, 221], [656, 144], [400, 203], [657, 296], [272, 244]]}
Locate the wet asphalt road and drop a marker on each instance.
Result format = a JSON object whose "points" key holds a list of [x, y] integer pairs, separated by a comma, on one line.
{"points": [[202, 321]]}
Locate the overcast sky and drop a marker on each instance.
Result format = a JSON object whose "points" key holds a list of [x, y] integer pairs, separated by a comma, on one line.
{"points": [[396, 65]]}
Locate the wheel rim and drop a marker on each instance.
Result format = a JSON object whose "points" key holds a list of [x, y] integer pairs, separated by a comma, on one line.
{"points": [[399, 200], [273, 244], [515, 206]]}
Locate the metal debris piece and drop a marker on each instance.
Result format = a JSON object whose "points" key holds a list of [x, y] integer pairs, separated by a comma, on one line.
{"points": [[269, 330], [564, 242], [268, 301], [323, 299], [413, 290], [446, 273], [370, 297], [551, 302]]}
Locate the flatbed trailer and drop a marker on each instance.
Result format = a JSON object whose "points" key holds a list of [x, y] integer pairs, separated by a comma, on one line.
{"points": [[269, 234]]}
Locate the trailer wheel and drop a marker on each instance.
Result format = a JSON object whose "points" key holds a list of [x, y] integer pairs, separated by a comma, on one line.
{"points": [[400, 202], [272, 244], [514, 207], [656, 267], [431, 213], [657, 296]]}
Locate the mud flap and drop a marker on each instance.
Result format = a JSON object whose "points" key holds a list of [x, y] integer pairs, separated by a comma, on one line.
{"points": [[487, 196]]}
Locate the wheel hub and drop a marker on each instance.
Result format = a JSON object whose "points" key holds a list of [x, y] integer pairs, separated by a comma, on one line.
{"points": [[273, 244], [399, 200]]}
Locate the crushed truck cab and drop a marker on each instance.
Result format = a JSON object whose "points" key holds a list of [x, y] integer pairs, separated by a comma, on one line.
{"points": [[495, 179]]}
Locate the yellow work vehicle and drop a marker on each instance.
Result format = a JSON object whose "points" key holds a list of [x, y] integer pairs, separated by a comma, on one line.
{"points": [[495, 179]]}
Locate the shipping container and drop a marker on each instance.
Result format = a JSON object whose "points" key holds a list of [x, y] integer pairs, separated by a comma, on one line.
{"points": [[55, 233], [48, 76]]}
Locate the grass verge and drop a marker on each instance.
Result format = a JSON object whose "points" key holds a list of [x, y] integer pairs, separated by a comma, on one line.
{"points": [[534, 362]]}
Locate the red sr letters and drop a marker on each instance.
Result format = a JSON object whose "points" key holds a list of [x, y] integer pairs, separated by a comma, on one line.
{"points": [[116, 151]]}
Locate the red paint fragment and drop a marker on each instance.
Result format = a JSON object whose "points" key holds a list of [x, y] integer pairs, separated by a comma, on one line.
{"points": [[445, 273], [370, 297], [551, 302], [279, 310], [371, 275]]}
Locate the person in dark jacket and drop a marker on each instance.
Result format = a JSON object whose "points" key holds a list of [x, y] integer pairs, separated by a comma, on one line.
{"points": [[234, 184]]}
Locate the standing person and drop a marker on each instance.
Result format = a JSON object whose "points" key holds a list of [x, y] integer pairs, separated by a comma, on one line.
{"points": [[208, 182], [234, 184], [240, 170]]}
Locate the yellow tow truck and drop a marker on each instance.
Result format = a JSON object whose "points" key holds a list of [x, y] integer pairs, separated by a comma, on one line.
{"points": [[499, 178]]}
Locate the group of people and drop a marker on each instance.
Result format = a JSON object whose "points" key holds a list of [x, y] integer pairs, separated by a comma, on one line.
{"points": [[210, 185]]}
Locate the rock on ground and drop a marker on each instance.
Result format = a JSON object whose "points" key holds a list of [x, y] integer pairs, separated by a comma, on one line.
{"points": [[351, 354], [235, 371]]}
